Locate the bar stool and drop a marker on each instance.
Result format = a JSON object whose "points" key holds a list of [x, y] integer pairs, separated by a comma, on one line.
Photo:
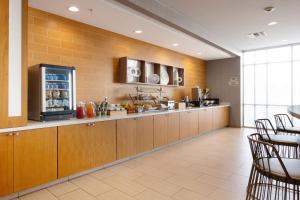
{"points": [[272, 177], [287, 145], [285, 124]]}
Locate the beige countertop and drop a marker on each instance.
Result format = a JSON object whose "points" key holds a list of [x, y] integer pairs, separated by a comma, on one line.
{"points": [[73, 121]]}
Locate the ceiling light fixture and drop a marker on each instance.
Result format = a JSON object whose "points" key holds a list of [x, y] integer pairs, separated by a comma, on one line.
{"points": [[73, 9], [175, 44], [199, 53], [257, 34], [269, 9], [284, 40], [272, 23], [138, 31]]}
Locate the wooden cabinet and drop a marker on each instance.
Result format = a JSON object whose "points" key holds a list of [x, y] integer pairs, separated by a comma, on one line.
{"points": [[6, 164], [126, 138], [144, 134], [226, 116], [35, 157], [188, 123], [220, 117], [104, 142], [205, 120], [173, 127], [74, 149], [160, 130], [134, 136], [84, 146], [166, 129]]}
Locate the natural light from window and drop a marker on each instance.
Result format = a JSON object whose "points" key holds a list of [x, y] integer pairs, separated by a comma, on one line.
{"points": [[271, 82]]}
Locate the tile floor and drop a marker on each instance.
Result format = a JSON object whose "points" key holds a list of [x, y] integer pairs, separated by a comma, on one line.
{"points": [[214, 166]]}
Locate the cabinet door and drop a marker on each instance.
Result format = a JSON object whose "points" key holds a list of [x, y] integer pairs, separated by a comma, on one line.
{"points": [[173, 127], [126, 138], [144, 134], [184, 125], [6, 164], [217, 116], [160, 130], [104, 140], [189, 123], [194, 128], [205, 120], [226, 118], [35, 157], [74, 149], [220, 117]]}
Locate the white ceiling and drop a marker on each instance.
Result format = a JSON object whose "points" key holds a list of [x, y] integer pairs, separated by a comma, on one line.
{"points": [[112, 16], [227, 22]]}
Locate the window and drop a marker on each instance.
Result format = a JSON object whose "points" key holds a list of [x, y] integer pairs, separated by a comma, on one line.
{"points": [[270, 82]]}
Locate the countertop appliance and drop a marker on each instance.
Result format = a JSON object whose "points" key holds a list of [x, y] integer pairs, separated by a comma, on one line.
{"points": [[210, 102], [51, 92], [196, 94], [169, 103]]}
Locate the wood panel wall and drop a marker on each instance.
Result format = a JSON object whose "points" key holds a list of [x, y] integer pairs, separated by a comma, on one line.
{"points": [[5, 120], [95, 53]]}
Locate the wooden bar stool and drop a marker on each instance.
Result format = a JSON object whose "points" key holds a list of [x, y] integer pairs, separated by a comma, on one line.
{"points": [[287, 145], [272, 177], [285, 124]]}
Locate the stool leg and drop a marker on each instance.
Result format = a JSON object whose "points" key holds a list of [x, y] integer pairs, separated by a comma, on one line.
{"points": [[250, 183]]}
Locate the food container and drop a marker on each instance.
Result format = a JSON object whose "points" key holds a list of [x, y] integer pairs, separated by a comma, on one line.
{"points": [[91, 110], [80, 110], [180, 105]]}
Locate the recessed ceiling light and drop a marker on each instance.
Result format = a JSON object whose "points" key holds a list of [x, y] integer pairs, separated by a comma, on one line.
{"points": [[175, 44], [138, 31], [272, 23], [284, 40], [269, 9], [73, 9], [199, 53]]}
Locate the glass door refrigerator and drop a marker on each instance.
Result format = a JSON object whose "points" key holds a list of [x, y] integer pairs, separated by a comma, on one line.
{"points": [[51, 92]]}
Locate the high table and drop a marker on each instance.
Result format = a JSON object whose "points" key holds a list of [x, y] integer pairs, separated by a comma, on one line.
{"points": [[294, 111]]}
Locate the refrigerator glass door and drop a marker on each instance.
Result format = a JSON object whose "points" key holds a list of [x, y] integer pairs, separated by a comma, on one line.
{"points": [[57, 89]]}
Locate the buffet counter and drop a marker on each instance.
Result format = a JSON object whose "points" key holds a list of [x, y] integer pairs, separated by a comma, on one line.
{"points": [[36, 124]]}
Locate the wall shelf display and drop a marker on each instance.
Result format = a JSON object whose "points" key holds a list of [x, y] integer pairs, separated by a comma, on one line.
{"points": [[135, 71]]}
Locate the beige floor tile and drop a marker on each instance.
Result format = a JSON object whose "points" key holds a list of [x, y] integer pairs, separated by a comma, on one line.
{"points": [[158, 185], [160, 173], [114, 195], [185, 194], [77, 195], [91, 185], [151, 195], [39, 195], [132, 164], [194, 185], [225, 195], [125, 185], [62, 188], [151, 162], [126, 172], [103, 173]]}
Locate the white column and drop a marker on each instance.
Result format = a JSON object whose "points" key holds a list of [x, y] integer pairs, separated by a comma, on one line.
{"points": [[15, 59]]}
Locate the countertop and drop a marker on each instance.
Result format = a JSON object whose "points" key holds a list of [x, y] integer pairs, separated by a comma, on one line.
{"points": [[73, 121]]}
